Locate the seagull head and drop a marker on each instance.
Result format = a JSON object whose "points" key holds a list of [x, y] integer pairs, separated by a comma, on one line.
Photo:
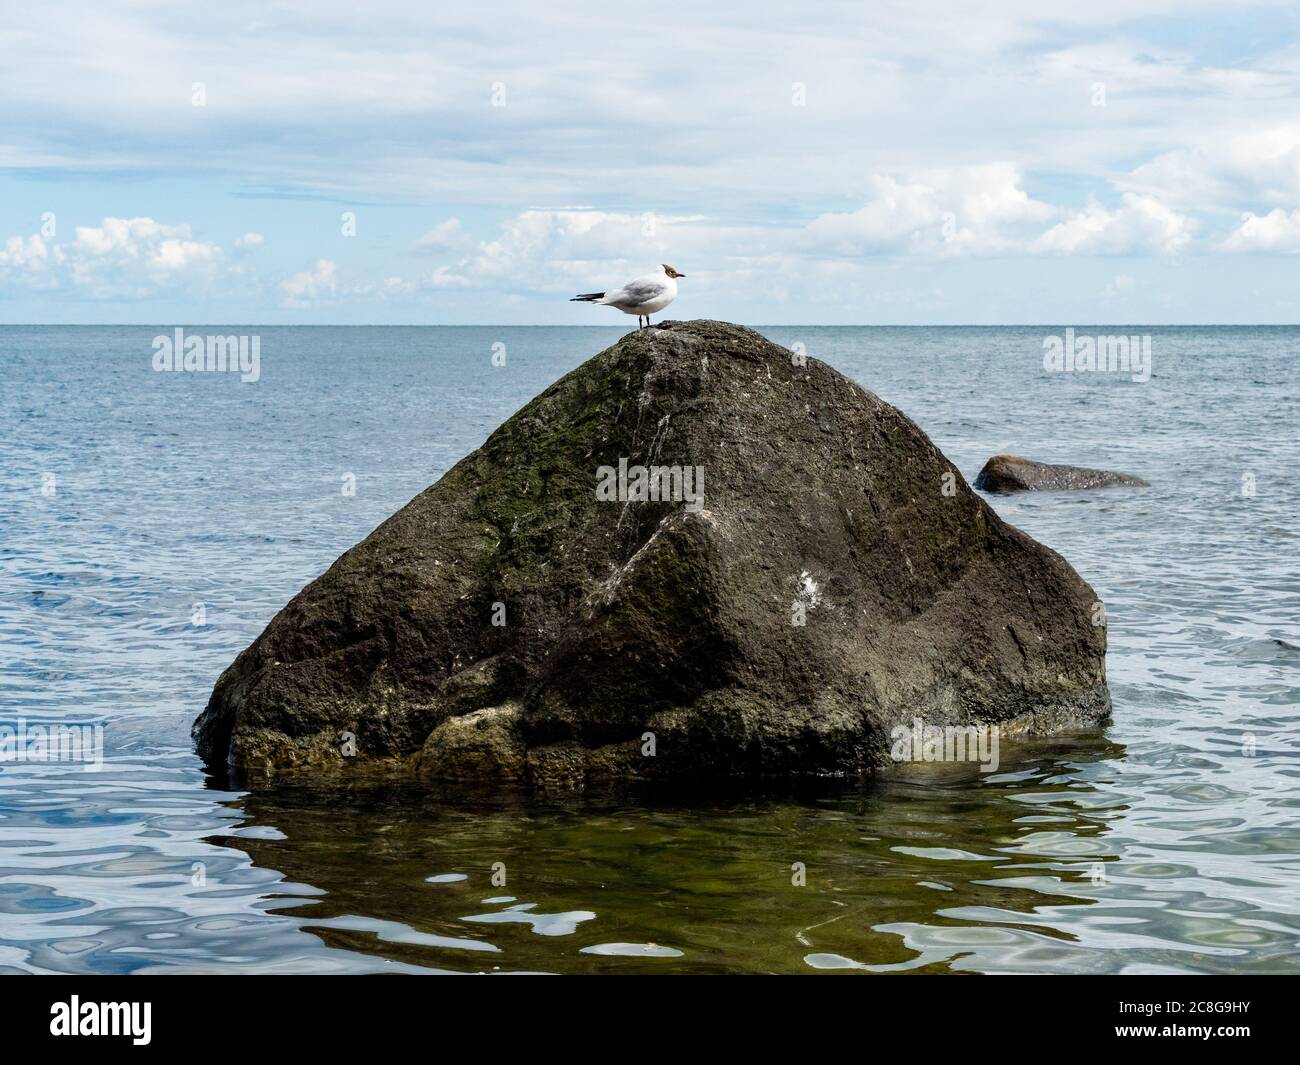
{"points": [[670, 271]]}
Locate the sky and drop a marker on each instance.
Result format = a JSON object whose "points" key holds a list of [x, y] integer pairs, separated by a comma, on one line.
{"points": [[1006, 161]]}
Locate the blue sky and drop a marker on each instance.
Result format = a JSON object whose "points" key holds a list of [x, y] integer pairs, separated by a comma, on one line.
{"points": [[1037, 162]]}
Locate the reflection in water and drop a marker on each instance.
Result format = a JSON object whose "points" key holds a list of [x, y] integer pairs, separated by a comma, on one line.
{"points": [[933, 869]]}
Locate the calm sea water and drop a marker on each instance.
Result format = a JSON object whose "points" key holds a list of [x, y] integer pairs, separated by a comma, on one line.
{"points": [[1168, 843]]}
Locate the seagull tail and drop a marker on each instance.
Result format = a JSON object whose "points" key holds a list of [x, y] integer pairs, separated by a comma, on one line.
{"points": [[588, 297]]}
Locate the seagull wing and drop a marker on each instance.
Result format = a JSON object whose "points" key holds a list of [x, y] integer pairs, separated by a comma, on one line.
{"points": [[642, 290]]}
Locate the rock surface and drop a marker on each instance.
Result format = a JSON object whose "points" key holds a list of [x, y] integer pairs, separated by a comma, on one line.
{"points": [[1011, 473], [837, 578]]}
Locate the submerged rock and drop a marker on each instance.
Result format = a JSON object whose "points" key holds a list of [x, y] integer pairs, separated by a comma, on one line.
{"points": [[1011, 473], [805, 572]]}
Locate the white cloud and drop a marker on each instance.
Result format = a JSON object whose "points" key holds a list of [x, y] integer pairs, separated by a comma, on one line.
{"points": [[976, 209], [548, 250], [407, 108], [1141, 225], [28, 253], [1277, 231], [30, 261], [250, 240], [705, 126], [444, 277], [305, 288], [1254, 166], [443, 236], [120, 258], [127, 236], [183, 254]]}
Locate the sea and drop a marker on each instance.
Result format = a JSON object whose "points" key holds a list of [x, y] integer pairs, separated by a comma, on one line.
{"points": [[152, 521]]}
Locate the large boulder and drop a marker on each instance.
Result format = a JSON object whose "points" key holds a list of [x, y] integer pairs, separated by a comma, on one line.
{"points": [[813, 574], [1011, 473]]}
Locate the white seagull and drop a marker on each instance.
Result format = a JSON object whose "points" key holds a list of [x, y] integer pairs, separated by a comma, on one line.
{"points": [[643, 297]]}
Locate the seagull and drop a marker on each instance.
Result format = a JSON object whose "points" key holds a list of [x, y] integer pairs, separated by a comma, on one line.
{"points": [[643, 297]]}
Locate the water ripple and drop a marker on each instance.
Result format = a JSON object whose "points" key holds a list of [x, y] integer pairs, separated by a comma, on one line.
{"points": [[1170, 844]]}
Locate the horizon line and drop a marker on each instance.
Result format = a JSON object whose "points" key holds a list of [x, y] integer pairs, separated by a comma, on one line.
{"points": [[557, 325]]}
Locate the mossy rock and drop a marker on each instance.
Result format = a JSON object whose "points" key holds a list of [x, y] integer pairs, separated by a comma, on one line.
{"points": [[838, 577]]}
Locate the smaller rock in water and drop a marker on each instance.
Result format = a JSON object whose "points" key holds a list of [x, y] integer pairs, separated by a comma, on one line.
{"points": [[1011, 473]]}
